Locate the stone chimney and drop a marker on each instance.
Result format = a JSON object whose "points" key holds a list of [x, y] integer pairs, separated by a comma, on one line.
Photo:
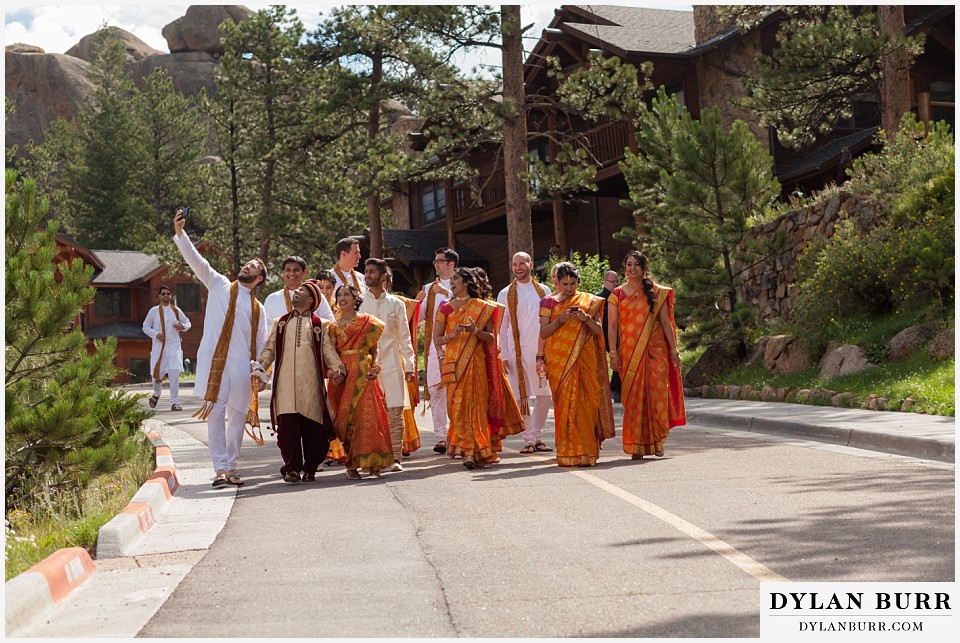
{"points": [[707, 24]]}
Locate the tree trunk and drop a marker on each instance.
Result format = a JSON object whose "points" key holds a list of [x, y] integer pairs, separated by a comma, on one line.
{"points": [[519, 228], [895, 81], [560, 228], [373, 130]]}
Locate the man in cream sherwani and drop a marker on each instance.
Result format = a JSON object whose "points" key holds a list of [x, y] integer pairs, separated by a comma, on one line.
{"points": [[163, 325], [395, 349], [225, 353], [519, 334], [430, 297], [302, 351]]}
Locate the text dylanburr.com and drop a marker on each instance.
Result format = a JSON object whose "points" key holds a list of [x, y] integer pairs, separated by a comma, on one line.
{"points": [[858, 611]]}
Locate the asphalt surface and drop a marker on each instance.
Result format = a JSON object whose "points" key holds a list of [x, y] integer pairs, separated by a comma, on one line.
{"points": [[662, 547]]}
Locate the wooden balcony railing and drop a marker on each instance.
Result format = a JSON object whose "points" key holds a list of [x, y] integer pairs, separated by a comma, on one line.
{"points": [[605, 145]]}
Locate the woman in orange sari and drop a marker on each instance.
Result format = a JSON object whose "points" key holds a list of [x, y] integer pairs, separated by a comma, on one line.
{"points": [[480, 405], [574, 362], [643, 349], [359, 409]]}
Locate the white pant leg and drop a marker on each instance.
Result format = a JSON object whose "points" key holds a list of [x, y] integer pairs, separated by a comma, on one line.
{"points": [[540, 409], [157, 387], [438, 409], [174, 386], [226, 420]]}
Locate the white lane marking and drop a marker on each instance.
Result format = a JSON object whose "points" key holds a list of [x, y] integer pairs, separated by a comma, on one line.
{"points": [[758, 570]]}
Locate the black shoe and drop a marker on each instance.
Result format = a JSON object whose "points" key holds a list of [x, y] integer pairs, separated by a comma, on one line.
{"points": [[440, 447], [283, 469], [309, 477], [292, 476]]}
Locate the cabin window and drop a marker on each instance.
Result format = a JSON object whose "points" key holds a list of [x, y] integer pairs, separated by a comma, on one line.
{"points": [[112, 302], [433, 202], [942, 104], [188, 298]]}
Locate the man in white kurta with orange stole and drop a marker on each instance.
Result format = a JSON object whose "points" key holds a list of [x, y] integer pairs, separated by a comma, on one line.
{"points": [[163, 326], [431, 296], [519, 334], [347, 252], [278, 304], [234, 332], [395, 349]]}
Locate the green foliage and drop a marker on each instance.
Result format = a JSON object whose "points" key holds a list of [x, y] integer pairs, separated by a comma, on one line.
{"points": [[827, 57], [700, 189], [591, 268], [903, 264], [62, 424]]}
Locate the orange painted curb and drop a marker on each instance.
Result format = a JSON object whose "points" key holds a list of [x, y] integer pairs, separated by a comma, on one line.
{"points": [[167, 476], [65, 570], [163, 450], [142, 512]]}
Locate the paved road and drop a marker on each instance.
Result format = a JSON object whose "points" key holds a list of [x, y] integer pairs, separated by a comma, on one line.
{"points": [[671, 547]]}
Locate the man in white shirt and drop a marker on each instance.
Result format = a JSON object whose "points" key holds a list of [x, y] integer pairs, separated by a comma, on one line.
{"points": [[431, 296], [519, 335], [163, 325], [234, 333], [279, 303], [396, 356], [348, 257]]}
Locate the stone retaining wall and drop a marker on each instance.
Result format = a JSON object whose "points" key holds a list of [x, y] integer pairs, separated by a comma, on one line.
{"points": [[770, 285]]}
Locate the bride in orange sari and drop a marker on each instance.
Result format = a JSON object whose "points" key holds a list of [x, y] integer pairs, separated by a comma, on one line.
{"points": [[480, 405], [643, 349], [359, 409], [574, 362]]}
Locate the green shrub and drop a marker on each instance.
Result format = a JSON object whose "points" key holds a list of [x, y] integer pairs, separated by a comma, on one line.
{"points": [[591, 269]]}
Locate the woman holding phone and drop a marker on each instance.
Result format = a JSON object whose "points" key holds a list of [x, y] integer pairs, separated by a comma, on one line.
{"points": [[480, 404], [574, 362]]}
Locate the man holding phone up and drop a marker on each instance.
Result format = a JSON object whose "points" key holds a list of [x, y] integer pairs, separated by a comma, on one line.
{"points": [[234, 332]]}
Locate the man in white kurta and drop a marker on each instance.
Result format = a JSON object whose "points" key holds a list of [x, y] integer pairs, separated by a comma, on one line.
{"points": [[395, 349], [525, 327], [163, 325], [301, 348], [431, 296], [225, 421], [278, 304], [347, 252]]}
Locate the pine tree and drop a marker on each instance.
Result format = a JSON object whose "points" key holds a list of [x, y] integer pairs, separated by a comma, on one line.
{"points": [[707, 193], [63, 425], [107, 206]]}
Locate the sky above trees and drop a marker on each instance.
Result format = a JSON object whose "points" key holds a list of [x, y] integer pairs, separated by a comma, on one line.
{"points": [[57, 27]]}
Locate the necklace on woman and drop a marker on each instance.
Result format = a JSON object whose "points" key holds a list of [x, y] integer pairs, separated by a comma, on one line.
{"points": [[463, 299]]}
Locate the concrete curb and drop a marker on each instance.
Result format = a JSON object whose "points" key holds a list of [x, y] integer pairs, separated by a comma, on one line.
{"points": [[905, 445], [118, 537], [51, 580], [44, 585]]}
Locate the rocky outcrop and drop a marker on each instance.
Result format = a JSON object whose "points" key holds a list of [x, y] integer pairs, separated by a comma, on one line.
{"points": [[134, 48], [784, 354], [199, 28], [714, 361], [42, 87], [190, 71], [907, 341], [942, 345], [844, 360], [23, 48]]}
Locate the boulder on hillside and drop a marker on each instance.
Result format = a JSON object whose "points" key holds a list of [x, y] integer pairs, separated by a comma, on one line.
{"points": [[715, 360], [755, 356], [784, 354], [199, 28], [190, 71], [42, 87], [134, 48], [907, 341], [942, 345], [23, 48], [844, 360]]}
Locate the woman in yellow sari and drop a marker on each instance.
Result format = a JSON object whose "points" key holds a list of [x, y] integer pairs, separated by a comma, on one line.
{"points": [[359, 409], [411, 434], [480, 405], [574, 362], [336, 454], [643, 349]]}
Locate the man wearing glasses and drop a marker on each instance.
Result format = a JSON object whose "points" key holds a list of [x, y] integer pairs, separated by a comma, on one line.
{"points": [[430, 297], [163, 325]]}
